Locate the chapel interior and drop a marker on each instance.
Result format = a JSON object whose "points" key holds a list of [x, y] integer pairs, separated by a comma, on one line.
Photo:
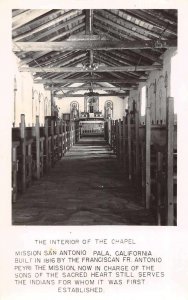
{"points": [[94, 117]]}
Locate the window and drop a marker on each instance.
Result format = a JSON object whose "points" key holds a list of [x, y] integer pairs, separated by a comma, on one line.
{"points": [[174, 92], [143, 101]]}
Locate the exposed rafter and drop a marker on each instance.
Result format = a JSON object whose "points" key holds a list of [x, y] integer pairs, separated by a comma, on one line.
{"points": [[144, 15], [124, 74], [120, 27], [89, 32], [53, 30], [110, 32], [27, 16], [59, 74], [162, 14], [17, 12], [117, 58], [62, 35], [109, 49], [46, 25], [74, 77], [129, 59], [57, 59], [138, 31], [65, 62]]}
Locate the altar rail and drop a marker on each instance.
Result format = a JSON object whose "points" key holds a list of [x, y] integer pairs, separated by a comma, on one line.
{"points": [[91, 128]]}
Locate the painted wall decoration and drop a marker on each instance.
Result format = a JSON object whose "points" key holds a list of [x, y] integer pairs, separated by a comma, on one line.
{"points": [[74, 110], [108, 109], [152, 104], [35, 99], [161, 95]]}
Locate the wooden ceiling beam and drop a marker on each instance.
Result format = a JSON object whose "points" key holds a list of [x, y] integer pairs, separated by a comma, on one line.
{"points": [[91, 45], [81, 70], [130, 24], [86, 37], [89, 32], [123, 59], [72, 63], [118, 52], [65, 61], [16, 12], [59, 75], [135, 51], [122, 75], [72, 76], [53, 60], [27, 16], [88, 80], [37, 22], [68, 32], [119, 86], [82, 88], [55, 29], [133, 57], [112, 22], [87, 21], [143, 15], [60, 78], [115, 59], [110, 32], [144, 54], [100, 95], [41, 54], [162, 14], [51, 22], [122, 54], [110, 63]]}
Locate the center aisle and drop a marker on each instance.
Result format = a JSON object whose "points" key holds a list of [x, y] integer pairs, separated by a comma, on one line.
{"points": [[87, 187]]}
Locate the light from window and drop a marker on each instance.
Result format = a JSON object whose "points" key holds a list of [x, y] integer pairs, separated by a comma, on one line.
{"points": [[174, 80], [143, 101]]}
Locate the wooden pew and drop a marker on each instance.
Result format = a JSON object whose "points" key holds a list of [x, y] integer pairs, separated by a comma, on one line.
{"points": [[37, 150], [113, 136], [77, 131], [159, 141], [23, 140], [15, 161], [149, 152], [59, 133], [47, 146]]}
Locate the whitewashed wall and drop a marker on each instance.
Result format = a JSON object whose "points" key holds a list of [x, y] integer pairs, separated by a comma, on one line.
{"points": [[159, 88], [30, 99], [119, 105]]}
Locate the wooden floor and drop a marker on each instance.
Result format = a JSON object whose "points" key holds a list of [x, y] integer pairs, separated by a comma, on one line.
{"points": [[87, 187]]}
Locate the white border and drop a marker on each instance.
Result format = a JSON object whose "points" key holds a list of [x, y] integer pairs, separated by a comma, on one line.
{"points": [[172, 242]]}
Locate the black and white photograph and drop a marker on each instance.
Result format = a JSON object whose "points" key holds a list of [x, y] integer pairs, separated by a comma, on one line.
{"points": [[94, 137], [94, 131]]}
